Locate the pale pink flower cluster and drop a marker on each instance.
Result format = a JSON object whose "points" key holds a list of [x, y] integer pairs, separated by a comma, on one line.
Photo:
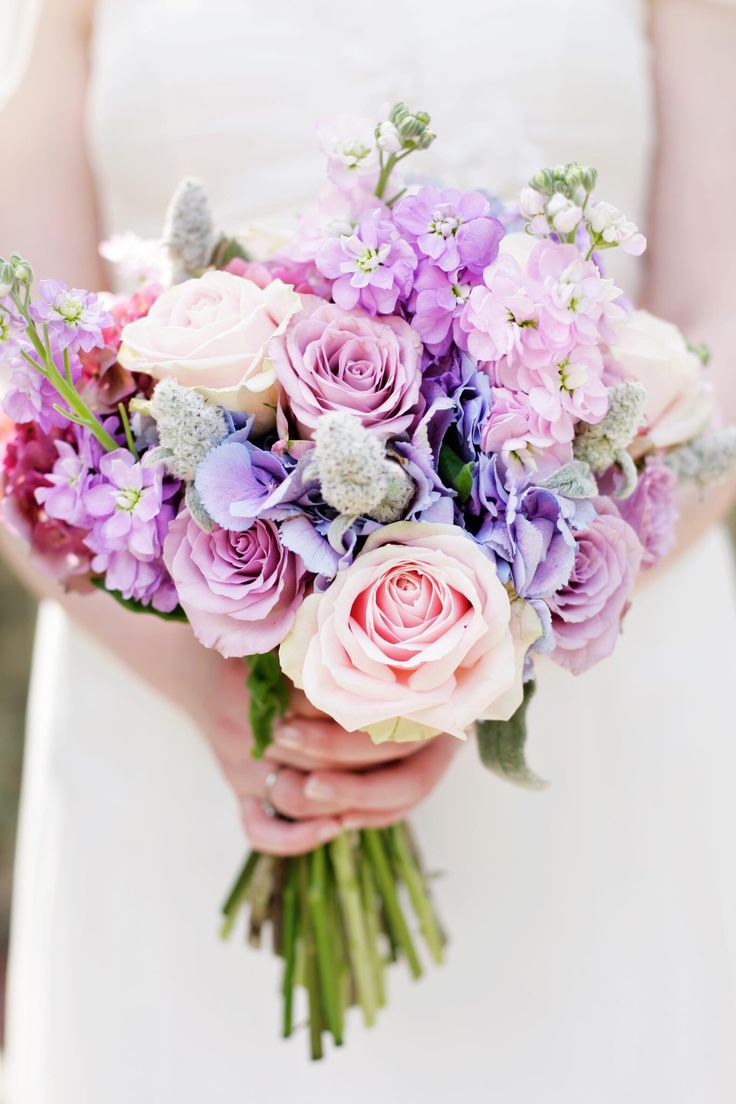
{"points": [[537, 332]]}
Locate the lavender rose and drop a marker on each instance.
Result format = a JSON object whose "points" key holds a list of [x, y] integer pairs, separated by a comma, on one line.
{"points": [[587, 612], [240, 591], [334, 360], [651, 511]]}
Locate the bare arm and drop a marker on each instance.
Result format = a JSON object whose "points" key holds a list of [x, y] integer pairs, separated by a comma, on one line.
{"points": [[692, 229]]}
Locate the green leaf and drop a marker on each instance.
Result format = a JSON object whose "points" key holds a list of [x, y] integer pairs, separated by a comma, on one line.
{"points": [[454, 473], [226, 250], [269, 697], [501, 746], [177, 614]]}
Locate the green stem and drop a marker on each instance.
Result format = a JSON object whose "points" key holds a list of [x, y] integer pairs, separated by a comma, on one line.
{"points": [[288, 946], [325, 959], [415, 884], [236, 896], [375, 849], [310, 961], [355, 925], [127, 430], [373, 924]]}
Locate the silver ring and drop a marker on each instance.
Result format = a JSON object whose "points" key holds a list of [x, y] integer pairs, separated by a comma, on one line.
{"points": [[271, 779]]}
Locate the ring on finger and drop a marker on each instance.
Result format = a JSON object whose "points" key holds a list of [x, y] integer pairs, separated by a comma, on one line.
{"points": [[270, 781]]}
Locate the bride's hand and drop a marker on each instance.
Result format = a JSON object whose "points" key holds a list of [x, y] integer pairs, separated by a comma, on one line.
{"points": [[326, 779]]}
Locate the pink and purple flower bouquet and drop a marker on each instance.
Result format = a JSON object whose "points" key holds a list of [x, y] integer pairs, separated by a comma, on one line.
{"points": [[419, 451]]}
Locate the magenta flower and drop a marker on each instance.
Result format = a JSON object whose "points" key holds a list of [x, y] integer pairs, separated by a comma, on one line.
{"points": [[28, 459], [373, 267], [651, 511], [453, 229], [587, 612], [240, 591], [74, 318]]}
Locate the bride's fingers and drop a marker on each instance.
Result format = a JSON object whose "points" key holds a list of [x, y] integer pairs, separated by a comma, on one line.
{"points": [[398, 786], [358, 819], [285, 837], [323, 741], [286, 793]]}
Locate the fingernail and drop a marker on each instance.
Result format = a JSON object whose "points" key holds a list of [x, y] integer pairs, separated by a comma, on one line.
{"points": [[316, 790], [288, 737], [350, 824], [326, 832]]}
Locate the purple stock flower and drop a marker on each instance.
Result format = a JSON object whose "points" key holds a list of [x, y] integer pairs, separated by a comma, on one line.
{"points": [[438, 303], [373, 267], [74, 318], [453, 229], [73, 474], [31, 397], [239, 482], [651, 510], [12, 328], [130, 514]]}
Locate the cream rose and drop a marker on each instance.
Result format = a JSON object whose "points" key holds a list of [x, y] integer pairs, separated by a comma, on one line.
{"points": [[655, 353], [212, 334], [418, 636]]}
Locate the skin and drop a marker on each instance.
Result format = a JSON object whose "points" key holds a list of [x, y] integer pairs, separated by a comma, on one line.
{"points": [[329, 779]]}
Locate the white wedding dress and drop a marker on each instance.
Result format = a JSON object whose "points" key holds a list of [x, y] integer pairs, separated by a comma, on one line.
{"points": [[593, 953]]}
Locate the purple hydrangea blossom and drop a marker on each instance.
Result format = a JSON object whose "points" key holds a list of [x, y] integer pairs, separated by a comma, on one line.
{"points": [[372, 268], [453, 229], [74, 318], [455, 392], [238, 482], [130, 513]]}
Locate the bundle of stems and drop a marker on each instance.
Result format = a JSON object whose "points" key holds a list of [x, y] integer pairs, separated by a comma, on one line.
{"points": [[338, 916]]}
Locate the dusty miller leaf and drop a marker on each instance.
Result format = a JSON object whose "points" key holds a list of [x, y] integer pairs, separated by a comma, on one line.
{"points": [[501, 746]]}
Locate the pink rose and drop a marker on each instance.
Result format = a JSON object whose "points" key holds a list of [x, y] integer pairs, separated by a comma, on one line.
{"points": [[240, 591], [588, 611], [212, 334], [416, 637], [331, 359]]}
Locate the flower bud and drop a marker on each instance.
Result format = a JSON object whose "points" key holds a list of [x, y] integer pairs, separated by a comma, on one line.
{"points": [[531, 202]]}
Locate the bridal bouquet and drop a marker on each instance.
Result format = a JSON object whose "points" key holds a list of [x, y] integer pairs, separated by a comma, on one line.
{"points": [[423, 447]]}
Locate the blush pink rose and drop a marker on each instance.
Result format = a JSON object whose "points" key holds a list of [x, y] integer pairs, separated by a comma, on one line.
{"points": [[418, 636], [240, 591], [330, 359], [212, 334], [679, 406]]}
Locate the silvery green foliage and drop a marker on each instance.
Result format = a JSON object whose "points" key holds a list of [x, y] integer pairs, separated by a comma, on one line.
{"points": [[188, 427], [601, 445], [356, 476], [189, 235], [196, 508], [573, 480], [706, 459]]}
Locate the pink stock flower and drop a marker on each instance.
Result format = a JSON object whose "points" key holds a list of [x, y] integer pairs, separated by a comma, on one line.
{"points": [[240, 591], [528, 443], [330, 359], [416, 637], [576, 303], [498, 312]]}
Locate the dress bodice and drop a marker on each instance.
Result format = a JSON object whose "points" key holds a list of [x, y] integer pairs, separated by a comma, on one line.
{"points": [[230, 91]]}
